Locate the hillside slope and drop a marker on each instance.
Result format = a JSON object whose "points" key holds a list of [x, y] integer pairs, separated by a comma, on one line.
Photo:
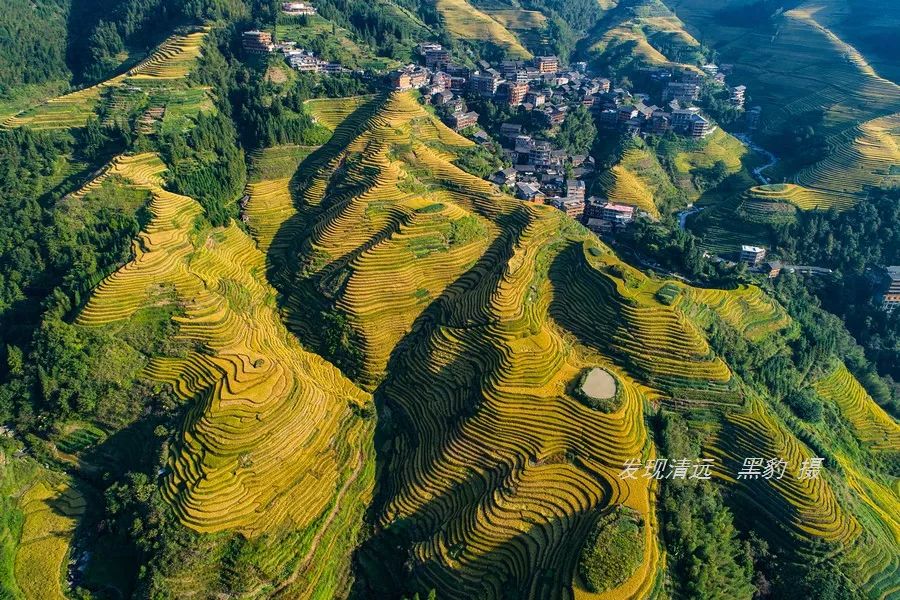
{"points": [[256, 451], [804, 74], [491, 470]]}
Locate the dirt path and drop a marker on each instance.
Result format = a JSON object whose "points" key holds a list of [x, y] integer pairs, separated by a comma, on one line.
{"points": [[304, 562]]}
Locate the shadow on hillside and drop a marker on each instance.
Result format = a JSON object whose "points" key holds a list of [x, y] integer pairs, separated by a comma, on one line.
{"points": [[571, 313], [85, 15], [285, 257], [106, 554], [383, 564], [539, 563]]}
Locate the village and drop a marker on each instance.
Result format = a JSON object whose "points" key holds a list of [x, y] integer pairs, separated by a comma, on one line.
{"points": [[540, 171], [548, 91]]}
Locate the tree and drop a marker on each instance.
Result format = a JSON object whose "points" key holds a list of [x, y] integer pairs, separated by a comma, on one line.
{"points": [[577, 133], [707, 560], [92, 139]]}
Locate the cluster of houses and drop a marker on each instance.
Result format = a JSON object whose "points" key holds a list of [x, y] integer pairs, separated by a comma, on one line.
{"points": [[260, 42], [537, 85], [568, 195], [540, 85], [633, 113], [307, 62], [298, 9], [890, 296]]}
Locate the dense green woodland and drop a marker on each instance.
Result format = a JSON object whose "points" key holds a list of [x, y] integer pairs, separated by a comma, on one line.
{"points": [[33, 37], [87, 40]]}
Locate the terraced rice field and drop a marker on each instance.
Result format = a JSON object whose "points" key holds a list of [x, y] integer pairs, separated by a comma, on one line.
{"points": [[624, 26], [860, 522], [474, 315], [51, 511], [637, 180], [529, 26], [617, 308], [500, 497], [758, 210], [874, 427], [378, 217], [858, 159], [170, 62], [863, 24], [173, 59], [271, 204], [873, 558], [331, 112], [717, 146], [805, 509], [477, 370], [466, 22], [493, 472], [747, 309], [799, 196], [256, 451]]}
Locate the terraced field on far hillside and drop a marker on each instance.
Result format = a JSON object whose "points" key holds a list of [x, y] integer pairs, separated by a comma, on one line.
{"points": [[470, 316], [801, 72], [41, 510], [466, 22], [642, 32], [165, 69]]}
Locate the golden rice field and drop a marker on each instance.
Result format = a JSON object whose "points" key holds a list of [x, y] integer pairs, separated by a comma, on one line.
{"points": [[378, 207], [492, 471], [515, 19], [639, 31], [796, 510], [529, 26], [747, 309], [799, 196], [500, 498], [860, 523], [271, 204], [861, 158], [651, 339], [485, 498], [873, 559], [474, 314], [256, 452], [51, 512], [331, 112], [173, 59], [637, 180], [874, 427], [170, 62], [623, 186], [373, 221], [466, 22]]}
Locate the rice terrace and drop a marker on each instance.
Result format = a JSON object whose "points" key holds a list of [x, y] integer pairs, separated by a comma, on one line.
{"points": [[450, 299]]}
